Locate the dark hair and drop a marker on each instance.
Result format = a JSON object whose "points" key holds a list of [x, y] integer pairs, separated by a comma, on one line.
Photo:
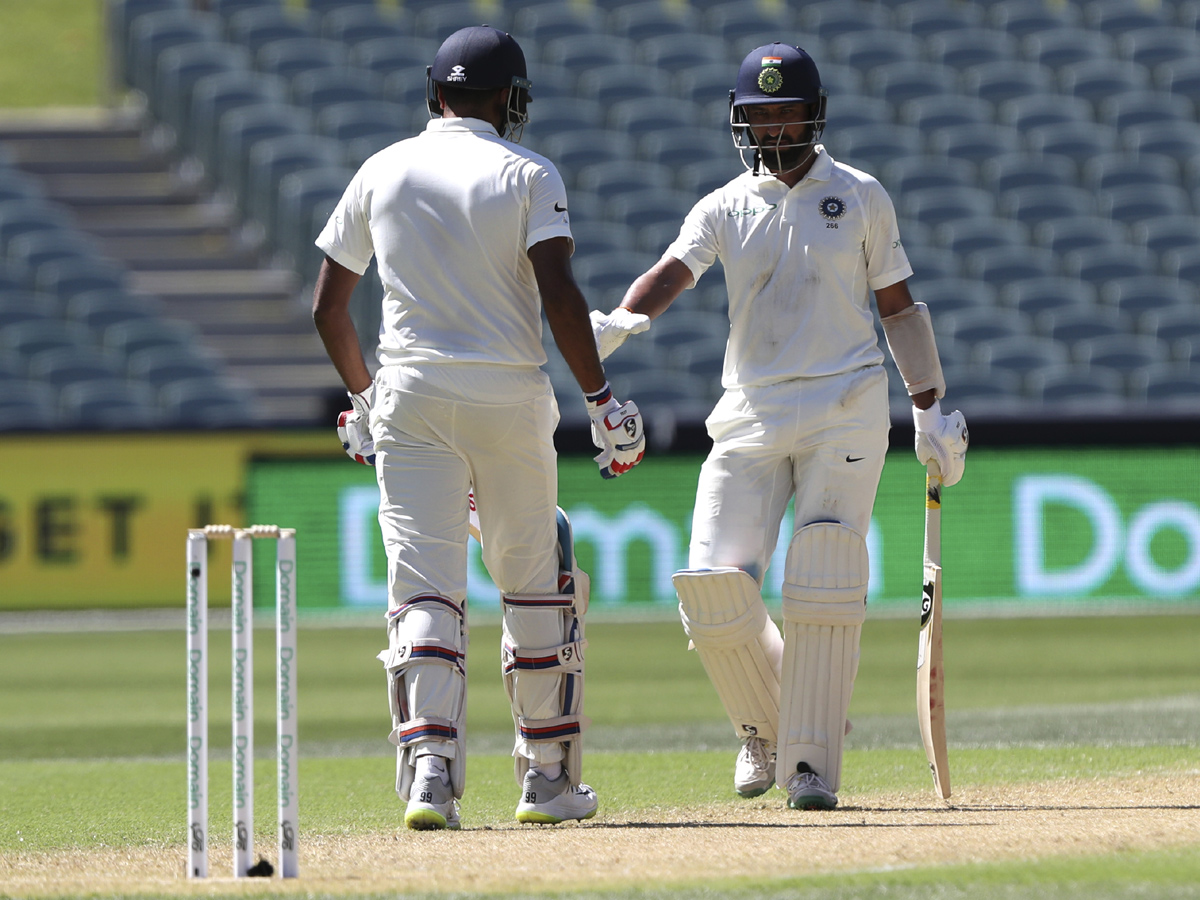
{"points": [[456, 95]]}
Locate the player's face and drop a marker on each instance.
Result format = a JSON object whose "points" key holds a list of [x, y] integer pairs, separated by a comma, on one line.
{"points": [[784, 129]]}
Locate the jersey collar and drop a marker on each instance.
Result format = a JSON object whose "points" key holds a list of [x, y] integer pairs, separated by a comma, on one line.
{"points": [[461, 126]]}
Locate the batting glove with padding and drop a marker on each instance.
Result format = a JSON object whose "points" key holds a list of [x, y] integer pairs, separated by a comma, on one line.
{"points": [[943, 438], [611, 330], [617, 430], [354, 427]]}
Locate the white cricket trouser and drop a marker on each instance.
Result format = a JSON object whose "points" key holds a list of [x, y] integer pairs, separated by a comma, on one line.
{"points": [[439, 431], [821, 439]]}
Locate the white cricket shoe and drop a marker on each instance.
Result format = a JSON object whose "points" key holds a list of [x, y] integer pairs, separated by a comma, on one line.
{"points": [[754, 771], [431, 802], [808, 790], [546, 802]]}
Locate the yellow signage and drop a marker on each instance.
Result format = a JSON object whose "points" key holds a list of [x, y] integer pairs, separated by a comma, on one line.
{"points": [[90, 521]]}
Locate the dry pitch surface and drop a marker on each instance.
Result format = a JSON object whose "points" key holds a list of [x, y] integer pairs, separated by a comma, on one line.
{"points": [[754, 839]]}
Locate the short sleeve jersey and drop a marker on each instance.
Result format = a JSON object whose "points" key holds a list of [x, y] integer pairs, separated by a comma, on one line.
{"points": [[799, 264], [450, 214]]}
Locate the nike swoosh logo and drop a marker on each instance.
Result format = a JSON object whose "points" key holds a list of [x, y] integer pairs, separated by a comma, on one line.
{"points": [[558, 208], [855, 458]]}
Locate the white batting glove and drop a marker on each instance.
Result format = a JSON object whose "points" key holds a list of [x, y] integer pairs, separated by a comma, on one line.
{"points": [[617, 430], [354, 427], [611, 330], [943, 438]]}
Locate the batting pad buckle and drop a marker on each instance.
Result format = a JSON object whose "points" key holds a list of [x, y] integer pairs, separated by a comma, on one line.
{"points": [[552, 731], [564, 658], [417, 730]]}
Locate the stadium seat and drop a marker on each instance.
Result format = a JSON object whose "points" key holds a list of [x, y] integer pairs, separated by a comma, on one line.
{"points": [[976, 389], [1024, 113], [609, 84], [967, 235], [1019, 355], [68, 277], [615, 271], [299, 193], [1074, 324], [611, 179], [348, 121], [1079, 141], [1135, 203], [864, 50], [544, 22], [639, 21], [1077, 388], [388, 55], [1037, 204], [1051, 293], [179, 68], [226, 9], [318, 89], [928, 18], [21, 216], [30, 250], [641, 115], [108, 405], [1066, 45], [874, 145], [154, 32], [1106, 263], [1079, 233], [1179, 140], [830, 18], [681, 147], [215, 95], [353, 24], [1006, 79], [324, 7], [122, 339], [26, 306], [160, 366], [16, 185], [1003, 265], [733, 20], [972, 326], [62, 366], [707, 83], [1137, 295], [1123, 352], [935, 206], [902, 81], [947, 295], [1020, 170], [1118, 17], [669, 53], [593, 238], [1096, 80], [439, 21], [1183, 264], [1172, 324], [1181, 78], [258, 24], [956, 110], [838, 79], [120, 16], [1144, 107], [271, 159], [573, 150], [558, 115], [975, 143], [701, 178], [1118, 170], [288, 57], [1164, 234], [27, 406], [857, 109], [242, 127], [911, 173], [97, 310], [964, 47], [931, 264], [1166, 386], [583, 51], [1023, 17]]}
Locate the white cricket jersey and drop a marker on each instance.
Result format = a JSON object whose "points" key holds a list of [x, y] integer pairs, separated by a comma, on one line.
{"points": [[799, 264], [451, 214]]}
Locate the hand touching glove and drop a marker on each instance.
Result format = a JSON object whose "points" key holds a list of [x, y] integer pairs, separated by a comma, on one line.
{"points": [[942, 438], [354, 428], [611, 330], [617, 430]]}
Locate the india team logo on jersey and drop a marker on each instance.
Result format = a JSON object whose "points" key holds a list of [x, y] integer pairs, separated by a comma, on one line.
{"points": [[770, 79], [832, 207]]}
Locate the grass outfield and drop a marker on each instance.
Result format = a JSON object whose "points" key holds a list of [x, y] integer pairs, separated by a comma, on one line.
{"points": [[1072, 754]]}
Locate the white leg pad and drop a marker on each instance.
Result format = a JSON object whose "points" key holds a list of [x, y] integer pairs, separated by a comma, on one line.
{"points": [[427, 686], [741, 648], [824, 606]]}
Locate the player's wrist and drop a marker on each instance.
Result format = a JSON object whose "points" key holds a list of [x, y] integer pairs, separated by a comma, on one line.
{"points": [[363, 400], [601, 402], [927, 420]]}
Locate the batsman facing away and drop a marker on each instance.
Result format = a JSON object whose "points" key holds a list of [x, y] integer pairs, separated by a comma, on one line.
{"points": [[804, 240], [472, 237]]}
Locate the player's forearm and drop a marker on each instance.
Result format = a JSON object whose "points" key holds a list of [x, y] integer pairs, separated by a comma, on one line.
{"points": [[331, 315], [658, 287], [567, 315]]}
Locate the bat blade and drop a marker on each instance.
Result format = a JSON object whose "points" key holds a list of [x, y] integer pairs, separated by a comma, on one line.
{"points": [[931, 706]]}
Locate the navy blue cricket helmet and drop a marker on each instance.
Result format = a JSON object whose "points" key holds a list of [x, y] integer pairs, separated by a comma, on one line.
{"points": [[482, 58], [775, 73]]}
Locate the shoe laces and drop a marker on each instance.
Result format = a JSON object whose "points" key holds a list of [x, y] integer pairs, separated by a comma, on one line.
{"points": [[805, 779], [756, 753]]}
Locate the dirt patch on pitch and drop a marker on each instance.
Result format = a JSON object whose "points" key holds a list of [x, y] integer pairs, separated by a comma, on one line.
{"points": [[662, 846]]}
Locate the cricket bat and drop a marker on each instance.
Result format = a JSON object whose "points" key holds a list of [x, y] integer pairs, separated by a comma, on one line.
{"points": [[931, 701]]}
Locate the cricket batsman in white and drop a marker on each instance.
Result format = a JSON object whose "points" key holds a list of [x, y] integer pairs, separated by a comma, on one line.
{"points": [[472, 237], [804, 241]]}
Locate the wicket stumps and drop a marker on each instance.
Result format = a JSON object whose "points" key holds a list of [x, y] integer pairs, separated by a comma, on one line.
{"points": [[242, 620]]}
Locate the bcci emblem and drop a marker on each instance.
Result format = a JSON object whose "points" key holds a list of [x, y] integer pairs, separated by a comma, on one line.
{"points": [[770, 79], [833, 207]]}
